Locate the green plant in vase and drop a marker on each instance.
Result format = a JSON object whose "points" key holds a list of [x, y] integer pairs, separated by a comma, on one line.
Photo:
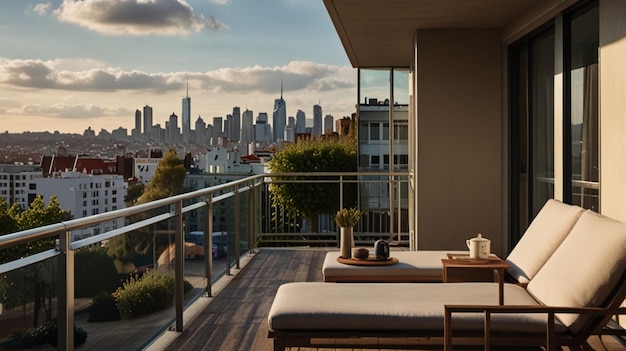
{"points": [[346, 219]]}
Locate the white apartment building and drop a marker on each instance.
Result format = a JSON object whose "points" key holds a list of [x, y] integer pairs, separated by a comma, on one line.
{"points": [[81, 193], [84, 195]]}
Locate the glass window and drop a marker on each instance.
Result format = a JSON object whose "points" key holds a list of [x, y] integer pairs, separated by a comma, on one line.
{"points": [[385, 131], [374, 131], [583, 172]]}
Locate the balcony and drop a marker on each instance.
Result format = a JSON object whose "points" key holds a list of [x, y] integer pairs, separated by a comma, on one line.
{"points": [[49, 282], [231, 295]]}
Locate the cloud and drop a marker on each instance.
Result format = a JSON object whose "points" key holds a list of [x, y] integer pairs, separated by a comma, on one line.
{"points": [[136, 17], [220, 2], [42, 8], [55, 74], [68, 111]]}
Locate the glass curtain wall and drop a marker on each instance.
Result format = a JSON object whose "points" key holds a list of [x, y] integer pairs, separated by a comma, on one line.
{"points": [[383, 145], [532, 128], [582, 170]]}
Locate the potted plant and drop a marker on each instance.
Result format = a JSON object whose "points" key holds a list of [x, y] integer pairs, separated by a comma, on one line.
{"points": [[346, 219]]}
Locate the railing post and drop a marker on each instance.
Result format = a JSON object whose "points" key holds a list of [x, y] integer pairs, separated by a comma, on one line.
{"points": [[237, 226], [65, 322], [179, 261], [208, 244], [252, 215]]}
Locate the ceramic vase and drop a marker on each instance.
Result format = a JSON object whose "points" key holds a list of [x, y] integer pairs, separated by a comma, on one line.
{"points": [[346, 242]]}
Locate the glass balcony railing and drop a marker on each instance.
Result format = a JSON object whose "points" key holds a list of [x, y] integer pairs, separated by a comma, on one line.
{"points": [[161, 237]]}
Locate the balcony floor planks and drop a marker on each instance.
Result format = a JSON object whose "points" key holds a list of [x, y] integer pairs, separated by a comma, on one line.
{"points": [[236, 318]]}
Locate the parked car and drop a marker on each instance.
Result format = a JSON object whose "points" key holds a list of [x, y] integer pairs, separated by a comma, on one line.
{"points": [[220, 242]]}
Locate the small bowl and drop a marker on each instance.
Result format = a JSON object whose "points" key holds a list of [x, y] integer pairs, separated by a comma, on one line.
{"points": [[360, 253]]}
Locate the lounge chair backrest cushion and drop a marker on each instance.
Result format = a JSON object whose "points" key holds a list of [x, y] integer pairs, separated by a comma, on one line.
{"points": [[546, 232], [584, 270]]}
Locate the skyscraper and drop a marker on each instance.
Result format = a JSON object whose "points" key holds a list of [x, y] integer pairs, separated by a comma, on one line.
{"points": [[200, 137], [147, 121], [300, 121], [279, 117], [317, 120], [137, 131], [217, 129], [173, 132], [186, 117], [235, 125], [328, 123], [247, 127]]}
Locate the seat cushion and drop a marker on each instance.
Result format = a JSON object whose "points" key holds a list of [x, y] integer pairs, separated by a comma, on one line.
{"points": [[412, 266], [395, 306], [584, 269], [546, 232]]}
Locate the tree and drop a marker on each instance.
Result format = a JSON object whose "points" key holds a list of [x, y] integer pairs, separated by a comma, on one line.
{"points": [[133, 193], [40, 277], [167, 181], [317, 155]]}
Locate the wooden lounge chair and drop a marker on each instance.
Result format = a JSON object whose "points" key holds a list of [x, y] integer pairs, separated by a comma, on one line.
{"points": [[585, 274], [546, 232]]}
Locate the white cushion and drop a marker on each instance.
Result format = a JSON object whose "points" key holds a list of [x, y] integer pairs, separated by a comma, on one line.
{"points": [[396, 306], [412, 266], [584, 269], [546, 232]]}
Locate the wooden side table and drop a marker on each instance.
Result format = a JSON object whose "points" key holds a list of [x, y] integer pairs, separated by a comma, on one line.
{"points": [[461, 268]]}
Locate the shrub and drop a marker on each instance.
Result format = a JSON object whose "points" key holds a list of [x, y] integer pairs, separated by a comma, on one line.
{"points": [[95, 271], [103, 308], [150, 293], [42, 335]]}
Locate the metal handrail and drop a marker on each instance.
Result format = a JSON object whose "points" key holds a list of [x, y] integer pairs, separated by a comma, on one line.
{"points": [[211, 195]]}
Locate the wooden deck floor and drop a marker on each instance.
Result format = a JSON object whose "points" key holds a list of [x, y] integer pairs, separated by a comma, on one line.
{"points": [[236, 318]]}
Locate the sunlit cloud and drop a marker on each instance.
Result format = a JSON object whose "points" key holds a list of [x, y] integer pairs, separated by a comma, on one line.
{"points": [[68, 111], [297, 75], [42, 8], [136, 17], [220, 2]]}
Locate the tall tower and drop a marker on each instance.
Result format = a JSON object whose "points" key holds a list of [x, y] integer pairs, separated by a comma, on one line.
{"points": [[147, 121], [235, 125], [247, 126], [186, 117], [329, 121], [279, 118], [217, 129], [173, 132], [300, 122], [137, 131], [317, 120]]}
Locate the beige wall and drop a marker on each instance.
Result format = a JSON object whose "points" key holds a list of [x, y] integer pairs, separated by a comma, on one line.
{"points": [[613, 109], [459, 138]]}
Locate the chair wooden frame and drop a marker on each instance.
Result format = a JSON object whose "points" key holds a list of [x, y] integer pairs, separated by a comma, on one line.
{"points": [[443, 339], [600, 316]]}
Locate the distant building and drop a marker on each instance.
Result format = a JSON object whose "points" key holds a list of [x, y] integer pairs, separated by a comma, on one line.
{"points": [[317, 120], [234, 134], [300, 122], [186, 119], [247, 127], [279, 117], [137, 131], [83, 193], [328, 124], [147, 121]]}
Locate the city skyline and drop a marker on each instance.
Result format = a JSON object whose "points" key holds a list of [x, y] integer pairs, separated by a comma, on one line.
{"points": [[69, 65]]}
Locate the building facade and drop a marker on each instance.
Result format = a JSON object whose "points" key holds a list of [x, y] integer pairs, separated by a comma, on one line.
{"points": [[507, 107]]}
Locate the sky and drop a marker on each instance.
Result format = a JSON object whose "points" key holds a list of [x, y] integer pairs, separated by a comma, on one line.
{"points": [[67, 65]]}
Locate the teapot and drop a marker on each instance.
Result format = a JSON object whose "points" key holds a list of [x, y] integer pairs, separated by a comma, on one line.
{"points": [[479, 247], [381, 249]]}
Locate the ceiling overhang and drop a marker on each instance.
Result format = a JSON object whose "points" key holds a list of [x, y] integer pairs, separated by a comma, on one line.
{"points": [[379, 33]]}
